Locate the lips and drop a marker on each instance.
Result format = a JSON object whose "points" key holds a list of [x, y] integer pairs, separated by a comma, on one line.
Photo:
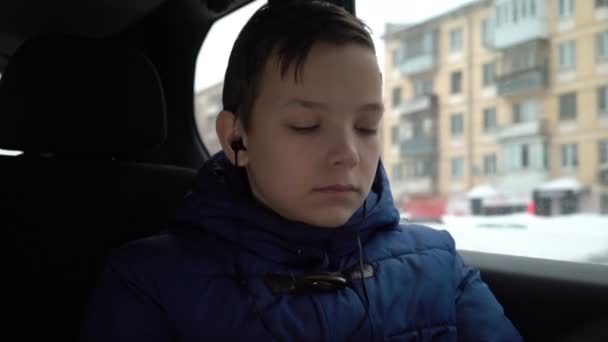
{"points": [[337, 188]]}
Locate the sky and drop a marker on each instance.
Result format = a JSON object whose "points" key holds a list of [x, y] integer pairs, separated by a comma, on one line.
{"points": [[213, 57]]}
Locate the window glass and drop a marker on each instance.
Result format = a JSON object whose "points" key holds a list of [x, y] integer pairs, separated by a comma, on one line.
{"points": [[396, 96], [602, 100], [489, 119], [566, 8], [210, 68], [488, 74], [457, 124], [422, 86], [549, 107], [569, 156], [487, 32], [567, 106], [456, 40], [567, 55], [489, 164], [395, 134], [457, 167], [601, 46], [603, 152], [456, 82]]}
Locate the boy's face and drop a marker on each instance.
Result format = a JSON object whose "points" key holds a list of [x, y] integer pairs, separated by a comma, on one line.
{"points": [[313, 145]]}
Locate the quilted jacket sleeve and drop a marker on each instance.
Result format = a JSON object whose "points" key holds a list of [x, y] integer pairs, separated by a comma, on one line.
{"points": [[479, 316]]}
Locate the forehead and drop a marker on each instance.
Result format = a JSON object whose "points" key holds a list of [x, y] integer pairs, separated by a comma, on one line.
{"points": [[337, 75]]}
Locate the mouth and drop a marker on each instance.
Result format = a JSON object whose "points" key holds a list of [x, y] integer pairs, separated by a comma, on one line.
{"points": [[337, 188]]}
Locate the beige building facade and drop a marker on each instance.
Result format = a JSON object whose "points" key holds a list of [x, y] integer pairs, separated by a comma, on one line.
{"points": [[516, 108]]}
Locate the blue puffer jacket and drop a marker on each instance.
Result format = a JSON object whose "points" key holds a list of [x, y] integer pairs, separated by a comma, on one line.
{"points": [[232, 270]]}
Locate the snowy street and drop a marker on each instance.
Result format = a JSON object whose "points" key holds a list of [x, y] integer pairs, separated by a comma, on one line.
{"points": [[579, 238]]}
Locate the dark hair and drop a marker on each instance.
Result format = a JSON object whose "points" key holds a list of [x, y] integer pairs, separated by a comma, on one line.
{"points": [[287, 30]]}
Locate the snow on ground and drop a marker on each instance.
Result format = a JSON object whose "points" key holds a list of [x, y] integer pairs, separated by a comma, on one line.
{"points": [[580, 238]]}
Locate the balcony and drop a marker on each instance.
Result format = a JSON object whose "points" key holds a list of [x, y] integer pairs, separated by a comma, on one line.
{"points": [[522, 129], [419, 185], [418, 64], [425, 103], [423, 145], [522, 82], [509, 32], [418, 52]]}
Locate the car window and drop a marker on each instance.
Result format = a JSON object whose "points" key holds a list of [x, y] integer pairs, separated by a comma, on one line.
{"points": [[210, 68], [515, 102], [496, 126]]}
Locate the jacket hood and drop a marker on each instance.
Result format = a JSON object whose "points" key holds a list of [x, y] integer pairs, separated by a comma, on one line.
{"points": [[221, 204]]}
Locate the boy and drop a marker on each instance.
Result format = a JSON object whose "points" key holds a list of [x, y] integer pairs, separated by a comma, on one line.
{"points": [[291, 232]]}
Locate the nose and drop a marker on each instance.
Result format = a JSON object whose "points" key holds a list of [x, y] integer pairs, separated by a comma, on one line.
{"points": [[343, 149]]}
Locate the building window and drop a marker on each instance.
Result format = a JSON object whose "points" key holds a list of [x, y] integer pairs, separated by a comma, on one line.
{"points": [[456, 40], [601, 3], [601, 46], [398, 172], [525, 156], [396, 56], [488, 74], [569, 155], [567, 106], [604, 204], [566, 8], [498, 13], [602, 100], [456, 124], [456, 82], [422, 86], [396, 99], [395, 134], [532, 7], [417, 124], [526, 111], [427, 126], [405, 132], [487, 32], [421, 168], [603, 151], [522, 156], [489, 164], [567, 55], [489, 119], [457, 170]]}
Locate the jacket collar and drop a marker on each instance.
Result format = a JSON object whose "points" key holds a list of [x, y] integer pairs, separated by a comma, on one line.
{"points": [[221, 204]]}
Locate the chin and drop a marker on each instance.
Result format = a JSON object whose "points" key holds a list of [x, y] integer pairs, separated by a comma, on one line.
{"points": [[336, 220]]}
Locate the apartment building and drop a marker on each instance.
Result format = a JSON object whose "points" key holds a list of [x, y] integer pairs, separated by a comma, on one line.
{"points": [[207, 105], [517, 106], [435, 83]]}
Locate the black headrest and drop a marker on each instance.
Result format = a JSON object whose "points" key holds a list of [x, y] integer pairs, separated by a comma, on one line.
{"points": [[80, 96]]}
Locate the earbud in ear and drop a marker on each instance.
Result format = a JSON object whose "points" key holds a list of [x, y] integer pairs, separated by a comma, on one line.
{"points": [[237, 145]]}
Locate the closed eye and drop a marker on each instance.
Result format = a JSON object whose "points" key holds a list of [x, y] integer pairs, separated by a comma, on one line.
{"points": [[367, 131], [304, 129]]}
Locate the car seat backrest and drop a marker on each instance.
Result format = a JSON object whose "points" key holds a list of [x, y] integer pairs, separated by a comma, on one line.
{"points": [[81, 110]]}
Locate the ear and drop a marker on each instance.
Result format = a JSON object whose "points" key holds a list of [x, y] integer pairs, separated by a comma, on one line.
{"points": [[229, 128]]}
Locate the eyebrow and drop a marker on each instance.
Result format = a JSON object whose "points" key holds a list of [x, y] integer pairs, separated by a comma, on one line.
{"points": [[308, 104], [372, 107]]}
